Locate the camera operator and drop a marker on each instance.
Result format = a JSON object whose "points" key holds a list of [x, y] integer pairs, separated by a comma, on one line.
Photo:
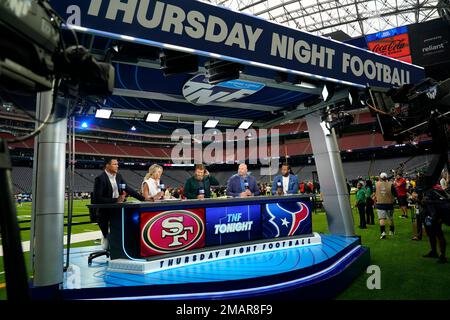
{"points": [[436, 212], [418, 217]]}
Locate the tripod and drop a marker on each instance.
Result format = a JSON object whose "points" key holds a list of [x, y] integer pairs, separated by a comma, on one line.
{"points": [[14, 262]]}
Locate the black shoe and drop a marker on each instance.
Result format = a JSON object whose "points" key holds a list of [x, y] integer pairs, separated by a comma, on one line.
{"points": [[442, 259], [431, 254]]}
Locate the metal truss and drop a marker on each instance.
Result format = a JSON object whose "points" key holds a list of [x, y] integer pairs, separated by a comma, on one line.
{"points": [[354, 17]]}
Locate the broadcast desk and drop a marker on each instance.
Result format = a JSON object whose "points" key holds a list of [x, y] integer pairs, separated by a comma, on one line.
{"points": [[150, 230], [217, 249]]}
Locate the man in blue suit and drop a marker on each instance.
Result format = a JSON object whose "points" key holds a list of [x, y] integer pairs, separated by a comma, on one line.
{"points": [[241, 184], [286, 183]]}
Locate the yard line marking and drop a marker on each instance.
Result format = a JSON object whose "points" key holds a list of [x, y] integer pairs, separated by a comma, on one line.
{"points": [[78, 237]]}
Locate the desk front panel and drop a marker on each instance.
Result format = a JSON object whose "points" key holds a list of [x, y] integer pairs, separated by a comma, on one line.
{"points": [[151, 231]]}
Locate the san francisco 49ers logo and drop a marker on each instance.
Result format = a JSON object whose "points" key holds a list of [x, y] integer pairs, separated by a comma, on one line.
{"points": [[171, 231]]}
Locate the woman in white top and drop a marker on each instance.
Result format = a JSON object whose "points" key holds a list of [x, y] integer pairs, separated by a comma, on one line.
{"points": [[151, 184]]}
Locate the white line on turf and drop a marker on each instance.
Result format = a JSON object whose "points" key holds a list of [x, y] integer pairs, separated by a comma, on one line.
{"points": [[79, 237]]}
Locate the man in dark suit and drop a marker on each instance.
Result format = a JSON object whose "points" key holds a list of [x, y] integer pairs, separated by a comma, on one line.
{"points": [[106, 190], [286, 183], [242, 184]]}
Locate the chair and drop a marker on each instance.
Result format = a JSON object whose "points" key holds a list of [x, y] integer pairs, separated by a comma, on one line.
{"points": [[93, 213]]}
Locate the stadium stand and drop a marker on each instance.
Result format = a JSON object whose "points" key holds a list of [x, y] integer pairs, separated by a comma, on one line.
{"points": [[22, 179], [84, 178]]}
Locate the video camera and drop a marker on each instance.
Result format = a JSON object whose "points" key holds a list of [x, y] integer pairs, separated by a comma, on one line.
{"points": [[402, 112], [412, 110], [33, 53]]}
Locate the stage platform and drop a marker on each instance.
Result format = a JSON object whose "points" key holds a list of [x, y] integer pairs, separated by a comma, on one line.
{"points": [[311, 272]]}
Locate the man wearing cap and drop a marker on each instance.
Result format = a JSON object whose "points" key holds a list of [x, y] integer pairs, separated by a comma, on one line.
{"points": [[385, 194]]}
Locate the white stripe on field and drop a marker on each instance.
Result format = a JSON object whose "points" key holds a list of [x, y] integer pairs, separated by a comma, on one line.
{"points": [[76, 238]]}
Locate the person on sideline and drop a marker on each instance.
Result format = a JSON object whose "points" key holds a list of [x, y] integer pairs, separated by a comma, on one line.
{"points": [[370, 218], [361, 205], [402, 194], [385, 194]]}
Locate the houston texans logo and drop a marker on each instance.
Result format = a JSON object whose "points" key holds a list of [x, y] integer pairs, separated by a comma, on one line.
{"points": [[284, 219]]}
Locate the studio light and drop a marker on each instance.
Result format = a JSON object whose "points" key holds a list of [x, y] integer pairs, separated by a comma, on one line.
{"points": [[355, 98], [339, 121], [245, 125], [281, 77], [103, 113], [303, 82], [306, 85], [327, 91], [116, 48], [174, 62], [220, 71], [153, 117], [211, 123]]}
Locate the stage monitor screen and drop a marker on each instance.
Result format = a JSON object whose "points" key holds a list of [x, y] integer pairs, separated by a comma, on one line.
{"points": [[233, 224]]}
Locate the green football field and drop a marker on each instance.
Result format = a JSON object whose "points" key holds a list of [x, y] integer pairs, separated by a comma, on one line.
{"points": [[404, 273]]}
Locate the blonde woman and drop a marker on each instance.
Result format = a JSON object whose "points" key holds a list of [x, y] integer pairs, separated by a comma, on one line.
{"points": [[151, 186]]}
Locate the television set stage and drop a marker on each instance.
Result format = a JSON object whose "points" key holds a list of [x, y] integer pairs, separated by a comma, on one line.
{"points": [[216, 249]]}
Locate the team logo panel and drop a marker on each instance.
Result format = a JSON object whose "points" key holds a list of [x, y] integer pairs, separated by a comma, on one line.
{"points": [[286, 219], [172, 231]]}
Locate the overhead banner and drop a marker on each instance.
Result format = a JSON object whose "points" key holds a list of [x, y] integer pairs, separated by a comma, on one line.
{"points": [[209, 30]]}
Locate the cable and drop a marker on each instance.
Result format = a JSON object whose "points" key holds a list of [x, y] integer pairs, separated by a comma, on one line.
{"points": [[25, 111], [44, 123], [404, 118], [57, 20]]}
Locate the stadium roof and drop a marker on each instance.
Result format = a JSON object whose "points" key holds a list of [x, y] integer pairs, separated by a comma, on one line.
{"points": [[354, 17]]}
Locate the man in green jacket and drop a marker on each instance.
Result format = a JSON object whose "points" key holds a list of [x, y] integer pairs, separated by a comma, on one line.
{"points": [[361, 205], [199, 185]]}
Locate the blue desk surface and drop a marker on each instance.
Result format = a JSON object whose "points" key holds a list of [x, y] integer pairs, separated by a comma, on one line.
{"points": [[258, 265]]}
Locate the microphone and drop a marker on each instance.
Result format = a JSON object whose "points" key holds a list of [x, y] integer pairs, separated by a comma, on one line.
{"points": [[122, 188]]}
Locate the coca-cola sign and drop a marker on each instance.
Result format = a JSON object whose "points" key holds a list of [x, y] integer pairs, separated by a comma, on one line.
{"points": [[395, 47], [389, 48]]}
